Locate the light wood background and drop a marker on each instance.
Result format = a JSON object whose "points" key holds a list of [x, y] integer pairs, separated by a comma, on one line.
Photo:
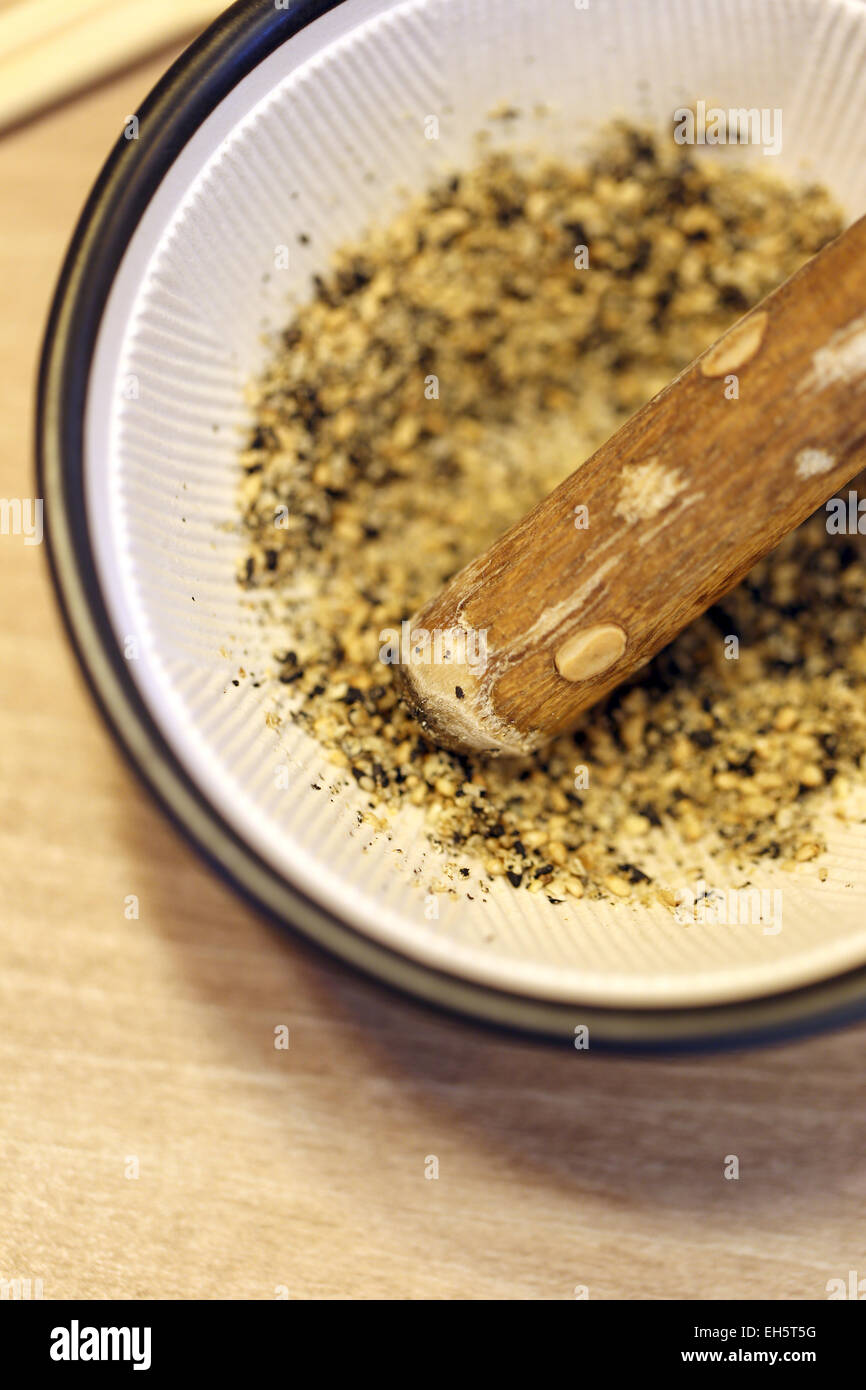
{"points": [[304, 1169]]}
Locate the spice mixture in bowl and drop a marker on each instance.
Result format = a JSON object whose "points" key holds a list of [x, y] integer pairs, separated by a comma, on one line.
{"points": [[450, 371], [411, 265]]}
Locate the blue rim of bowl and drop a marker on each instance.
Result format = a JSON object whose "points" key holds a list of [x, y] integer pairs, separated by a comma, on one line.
{"points": [[191, 89]]}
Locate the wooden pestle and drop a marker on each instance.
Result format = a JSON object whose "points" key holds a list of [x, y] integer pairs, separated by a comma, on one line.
{"points": [[658, 524]]}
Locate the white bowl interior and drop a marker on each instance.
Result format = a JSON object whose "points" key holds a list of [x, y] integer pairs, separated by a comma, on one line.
{"points": [[325, 137]]}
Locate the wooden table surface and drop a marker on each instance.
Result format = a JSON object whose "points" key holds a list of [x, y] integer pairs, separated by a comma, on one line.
{"points": [[147, 1046]]}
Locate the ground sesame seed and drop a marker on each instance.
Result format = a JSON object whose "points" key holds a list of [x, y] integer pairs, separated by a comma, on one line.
{"points": [[396, 423]]}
